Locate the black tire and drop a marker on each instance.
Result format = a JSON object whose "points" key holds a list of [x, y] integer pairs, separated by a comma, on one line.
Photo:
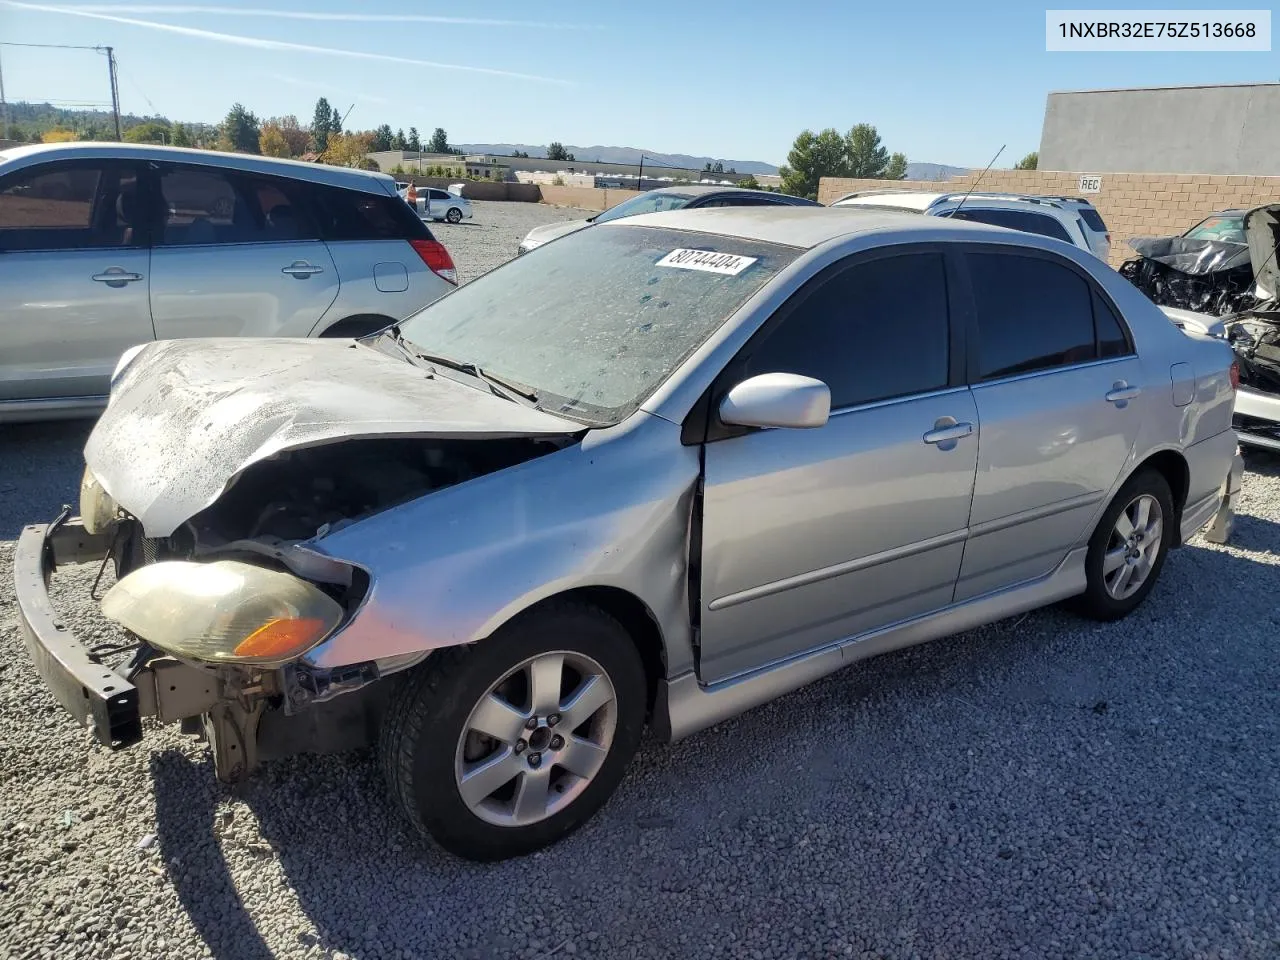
{"points": [[428, 711], [453, 215], [1096, 602]]}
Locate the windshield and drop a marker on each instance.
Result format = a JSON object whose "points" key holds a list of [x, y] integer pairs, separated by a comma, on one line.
{"points": [[1218, 228], [596, 321], [655, 201]]}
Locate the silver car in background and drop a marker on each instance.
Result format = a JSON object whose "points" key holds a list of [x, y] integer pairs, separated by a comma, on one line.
{"points": [[664, 471], [107, 246]]}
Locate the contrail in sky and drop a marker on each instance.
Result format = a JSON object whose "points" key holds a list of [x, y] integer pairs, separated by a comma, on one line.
{"points": [[183, 10]]}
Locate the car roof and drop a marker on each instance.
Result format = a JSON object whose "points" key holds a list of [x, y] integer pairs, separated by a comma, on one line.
{"points": [[708, 189], [367, 181], [906, 199], [808, 227], [922, 201]]}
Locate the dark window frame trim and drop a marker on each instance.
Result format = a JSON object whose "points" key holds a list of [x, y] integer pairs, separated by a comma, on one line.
{"points": [[703, 424], [974, 377]]}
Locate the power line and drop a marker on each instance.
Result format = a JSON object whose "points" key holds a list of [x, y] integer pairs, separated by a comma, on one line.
{"points": [[50, 46], [111, 68]]}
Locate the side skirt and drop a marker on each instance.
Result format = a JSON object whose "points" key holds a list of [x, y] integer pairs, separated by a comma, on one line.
{"points": [[685, 706]]}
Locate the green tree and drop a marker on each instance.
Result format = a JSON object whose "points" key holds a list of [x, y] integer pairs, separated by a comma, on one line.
{"points": [[439, 142], [1029, 162], [897, 168], [749, 182], [381, 138], [866, 157], [320, 124], [520, 154], [294, 135], [335, 122], [413, 141], [181, 136], [152, 131], [239, 131], [398, 142], [556, 151], [812, 157]]}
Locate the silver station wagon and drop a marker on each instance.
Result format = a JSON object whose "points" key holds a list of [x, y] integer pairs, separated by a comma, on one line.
{"points": [[106, 246], [664, 471]]}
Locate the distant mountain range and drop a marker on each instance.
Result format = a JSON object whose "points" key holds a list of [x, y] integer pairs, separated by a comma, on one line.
{"points": [[933, 171], [685, 161], [599, 154]]}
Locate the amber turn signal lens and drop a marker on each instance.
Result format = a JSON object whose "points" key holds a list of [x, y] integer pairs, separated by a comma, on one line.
{"points": [[279, 638]]}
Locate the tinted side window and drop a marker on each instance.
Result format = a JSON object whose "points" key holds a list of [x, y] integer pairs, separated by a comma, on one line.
{"points": [[69, 207], [352, 215], [203, 206], [1033, 314], [1090, 216], [875, 331], [1022, 221], [1112, 339]]}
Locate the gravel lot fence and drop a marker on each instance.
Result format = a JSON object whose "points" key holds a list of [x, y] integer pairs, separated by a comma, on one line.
{"points": [[1040, 788]]}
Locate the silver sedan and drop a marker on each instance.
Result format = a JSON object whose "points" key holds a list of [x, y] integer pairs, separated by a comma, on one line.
{"points": [[662, 472]]}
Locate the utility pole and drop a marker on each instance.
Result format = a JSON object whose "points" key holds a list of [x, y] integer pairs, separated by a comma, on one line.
{"points": [[115, 90], [4, 109]]}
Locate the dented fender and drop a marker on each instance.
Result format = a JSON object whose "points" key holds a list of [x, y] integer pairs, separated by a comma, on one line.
{"points": [[452, 567]]}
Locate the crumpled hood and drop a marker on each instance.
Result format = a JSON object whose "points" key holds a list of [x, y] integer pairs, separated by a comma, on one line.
{"points": [[188, 416], [1262, 229], [554, 231], [1192, 257]]}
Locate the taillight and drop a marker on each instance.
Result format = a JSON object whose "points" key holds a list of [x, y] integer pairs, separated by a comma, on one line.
{"points": [[437, 258], [1235, 374]]}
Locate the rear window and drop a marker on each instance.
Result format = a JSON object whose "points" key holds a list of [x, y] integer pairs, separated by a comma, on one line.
{"points": [[1091, 216], [596, 321], [353, 215]]}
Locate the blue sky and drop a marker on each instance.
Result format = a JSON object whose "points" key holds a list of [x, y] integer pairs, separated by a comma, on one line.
{"points": [[943, 82]]}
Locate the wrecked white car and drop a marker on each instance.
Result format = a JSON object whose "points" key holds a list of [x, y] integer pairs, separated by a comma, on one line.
{"points": [[1252, 327], [666, 470]]}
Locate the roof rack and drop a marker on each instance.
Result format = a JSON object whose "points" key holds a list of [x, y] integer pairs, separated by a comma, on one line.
{"points": [[1027, 197]]}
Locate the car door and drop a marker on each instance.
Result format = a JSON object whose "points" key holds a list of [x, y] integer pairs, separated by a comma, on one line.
{"points": [[236, 254], [74, 273], [1061, 395], [813, 536], [438, 201]]}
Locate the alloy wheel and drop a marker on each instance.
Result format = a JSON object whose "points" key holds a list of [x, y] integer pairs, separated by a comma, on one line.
{"points": [[1134, 546], [535, 740]]}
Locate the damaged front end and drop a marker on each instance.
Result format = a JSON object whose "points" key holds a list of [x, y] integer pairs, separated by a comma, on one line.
{"points": [[1213, 277], [218, 608], [1244, 312]]}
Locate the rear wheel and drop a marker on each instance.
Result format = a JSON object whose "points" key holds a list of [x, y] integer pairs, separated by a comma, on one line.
{"points": [[503, 748], [454, 215], [1128, 548]]}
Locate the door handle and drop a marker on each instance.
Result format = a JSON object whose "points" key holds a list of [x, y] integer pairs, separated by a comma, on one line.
{"points": [[1121, 392], [301, 269], [944, 431], [116, 276]]}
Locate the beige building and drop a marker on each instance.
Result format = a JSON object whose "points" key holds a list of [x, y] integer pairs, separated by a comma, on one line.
{"points": [[477, 166]]}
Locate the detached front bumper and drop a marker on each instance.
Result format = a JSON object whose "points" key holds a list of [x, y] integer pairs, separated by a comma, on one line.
{"points": [[94, 694], [1223, 522]]}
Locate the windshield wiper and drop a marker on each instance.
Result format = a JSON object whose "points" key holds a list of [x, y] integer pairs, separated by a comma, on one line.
{"points": [[500, 386]]}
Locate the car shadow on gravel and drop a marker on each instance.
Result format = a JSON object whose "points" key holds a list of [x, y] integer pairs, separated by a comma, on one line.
{"points": [[40, 467], [324, 830]]}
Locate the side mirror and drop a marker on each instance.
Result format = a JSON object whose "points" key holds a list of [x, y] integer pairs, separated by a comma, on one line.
{"points": [[777, 400]]}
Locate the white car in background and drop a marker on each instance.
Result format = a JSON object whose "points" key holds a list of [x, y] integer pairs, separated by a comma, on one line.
{"points": [[1070, 219], [432, 203]]}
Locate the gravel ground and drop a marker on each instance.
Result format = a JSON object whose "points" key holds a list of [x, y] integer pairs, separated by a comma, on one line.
{"points": [[1042, 787], [490, 238]]}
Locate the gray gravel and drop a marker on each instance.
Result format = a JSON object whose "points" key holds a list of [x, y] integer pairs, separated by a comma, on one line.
{"points": [[1039, 788], [490, 238]]}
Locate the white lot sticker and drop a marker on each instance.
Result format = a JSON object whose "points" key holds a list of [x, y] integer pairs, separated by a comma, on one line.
{"points": [[729, 264]]}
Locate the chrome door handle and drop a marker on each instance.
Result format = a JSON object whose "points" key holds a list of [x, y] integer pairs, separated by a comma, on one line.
{"points": [[301, 269], [116, 276], [943, 433], [1121, 391]]}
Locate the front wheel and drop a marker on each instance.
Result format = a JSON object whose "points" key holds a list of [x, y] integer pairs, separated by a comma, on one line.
{"points": [[454, 215], [1128, 547], [500, 749]]}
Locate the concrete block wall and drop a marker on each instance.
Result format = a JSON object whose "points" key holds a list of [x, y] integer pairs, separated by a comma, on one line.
{"points": [[585, 198], [1132, 204]]}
